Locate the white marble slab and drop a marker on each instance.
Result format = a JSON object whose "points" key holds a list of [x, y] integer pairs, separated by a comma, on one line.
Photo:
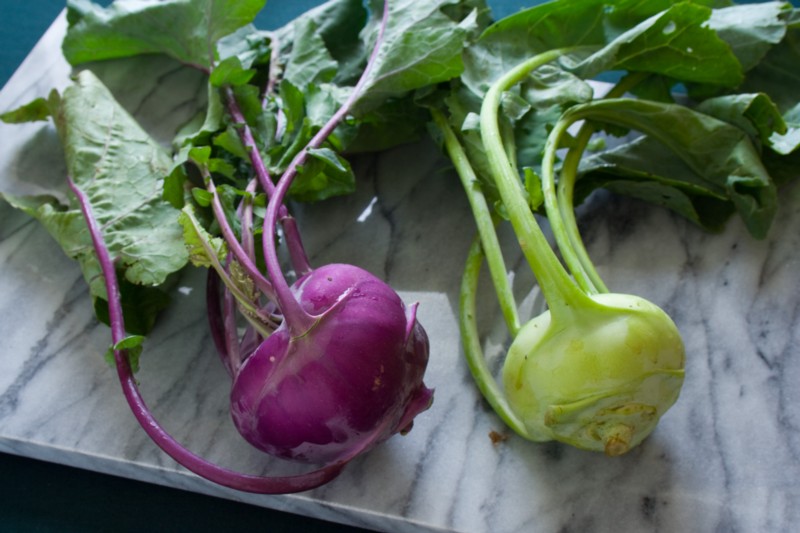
{"points": [[725, 458]]}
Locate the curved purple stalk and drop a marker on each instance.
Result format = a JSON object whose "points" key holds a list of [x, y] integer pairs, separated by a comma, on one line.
{"points": [[194, 463], [216, 322], [239, 253], [294, 243], [245, 213], [229, 320], [297, 318]]}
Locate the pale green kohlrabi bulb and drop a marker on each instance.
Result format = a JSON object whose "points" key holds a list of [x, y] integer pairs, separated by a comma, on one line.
{"points": [[600, 381]]}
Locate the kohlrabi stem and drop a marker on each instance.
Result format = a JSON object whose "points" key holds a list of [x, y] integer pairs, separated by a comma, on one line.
{"points": [[191, 461], [568, 236], [274, 68], [483, 220], [560, 291], [244, 259], [297, 319], [231, 330], [473, 350], [297, 253], [216, 313], [567, 233], [245, 213]]}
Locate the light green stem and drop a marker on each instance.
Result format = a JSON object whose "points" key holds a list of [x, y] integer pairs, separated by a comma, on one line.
{"points": [[580, 264], [568, 236], [584, 274], [561, 292], [470, 339], [484, 222]]}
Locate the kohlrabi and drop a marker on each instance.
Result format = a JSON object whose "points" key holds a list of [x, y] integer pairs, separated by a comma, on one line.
{"points": [[595, 370], [323, 368], [343, 371], [598, 369]]}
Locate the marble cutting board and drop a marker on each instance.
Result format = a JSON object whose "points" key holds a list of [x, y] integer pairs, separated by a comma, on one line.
{"points": [[725, 458]]}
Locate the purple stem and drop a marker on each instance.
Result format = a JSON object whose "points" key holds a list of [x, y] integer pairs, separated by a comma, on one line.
{"points": [[297, 253], [231, 335], [216, 323], [248, 265], [194, 463], [272, 76], [296, 317], [246, 215]]}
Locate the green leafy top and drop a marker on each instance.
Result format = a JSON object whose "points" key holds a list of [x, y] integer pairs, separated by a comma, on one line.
{"points": [[187, 30], [122, 171], [286, 84], [715, 60]]}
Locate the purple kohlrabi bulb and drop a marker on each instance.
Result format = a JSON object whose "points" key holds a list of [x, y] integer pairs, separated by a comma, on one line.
{"points": [[349, 382]]}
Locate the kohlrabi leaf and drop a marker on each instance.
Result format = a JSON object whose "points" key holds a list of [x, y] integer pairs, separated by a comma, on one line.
{"points": [[309, 61], [324, 174], [751, 29], [132, 345], [538, 29], [754, 113], [675, 43], [205, 250], [462, 108], [782, 167], [666, 38], [646, 171], [778, 76], [548, 26], [549, 86], [203, 126], [230, 72], [186, 30], [229, 141], [121, 169], [338, 23], [396, 122], [722, 158], [140, 306], [248, 44], [421, 46], [38, 109]]}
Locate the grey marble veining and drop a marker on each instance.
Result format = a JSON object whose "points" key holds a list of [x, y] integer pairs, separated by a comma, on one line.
{"points": [[725, 458]]}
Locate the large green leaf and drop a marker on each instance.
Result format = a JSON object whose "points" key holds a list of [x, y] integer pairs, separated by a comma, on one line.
{"points": [[338, 25], [663, 37], [121, 169], [309, 60], [422, 46], [778, 75], [754, 113], [186, 30], [751, 29], [721, 157]]}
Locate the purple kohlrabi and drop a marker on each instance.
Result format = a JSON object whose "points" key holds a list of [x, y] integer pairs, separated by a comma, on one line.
{"points": [[348, 382]]}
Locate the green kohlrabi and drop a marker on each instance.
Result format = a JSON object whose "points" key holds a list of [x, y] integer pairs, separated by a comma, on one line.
{"points": [[598, 369], [595, 370]]}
